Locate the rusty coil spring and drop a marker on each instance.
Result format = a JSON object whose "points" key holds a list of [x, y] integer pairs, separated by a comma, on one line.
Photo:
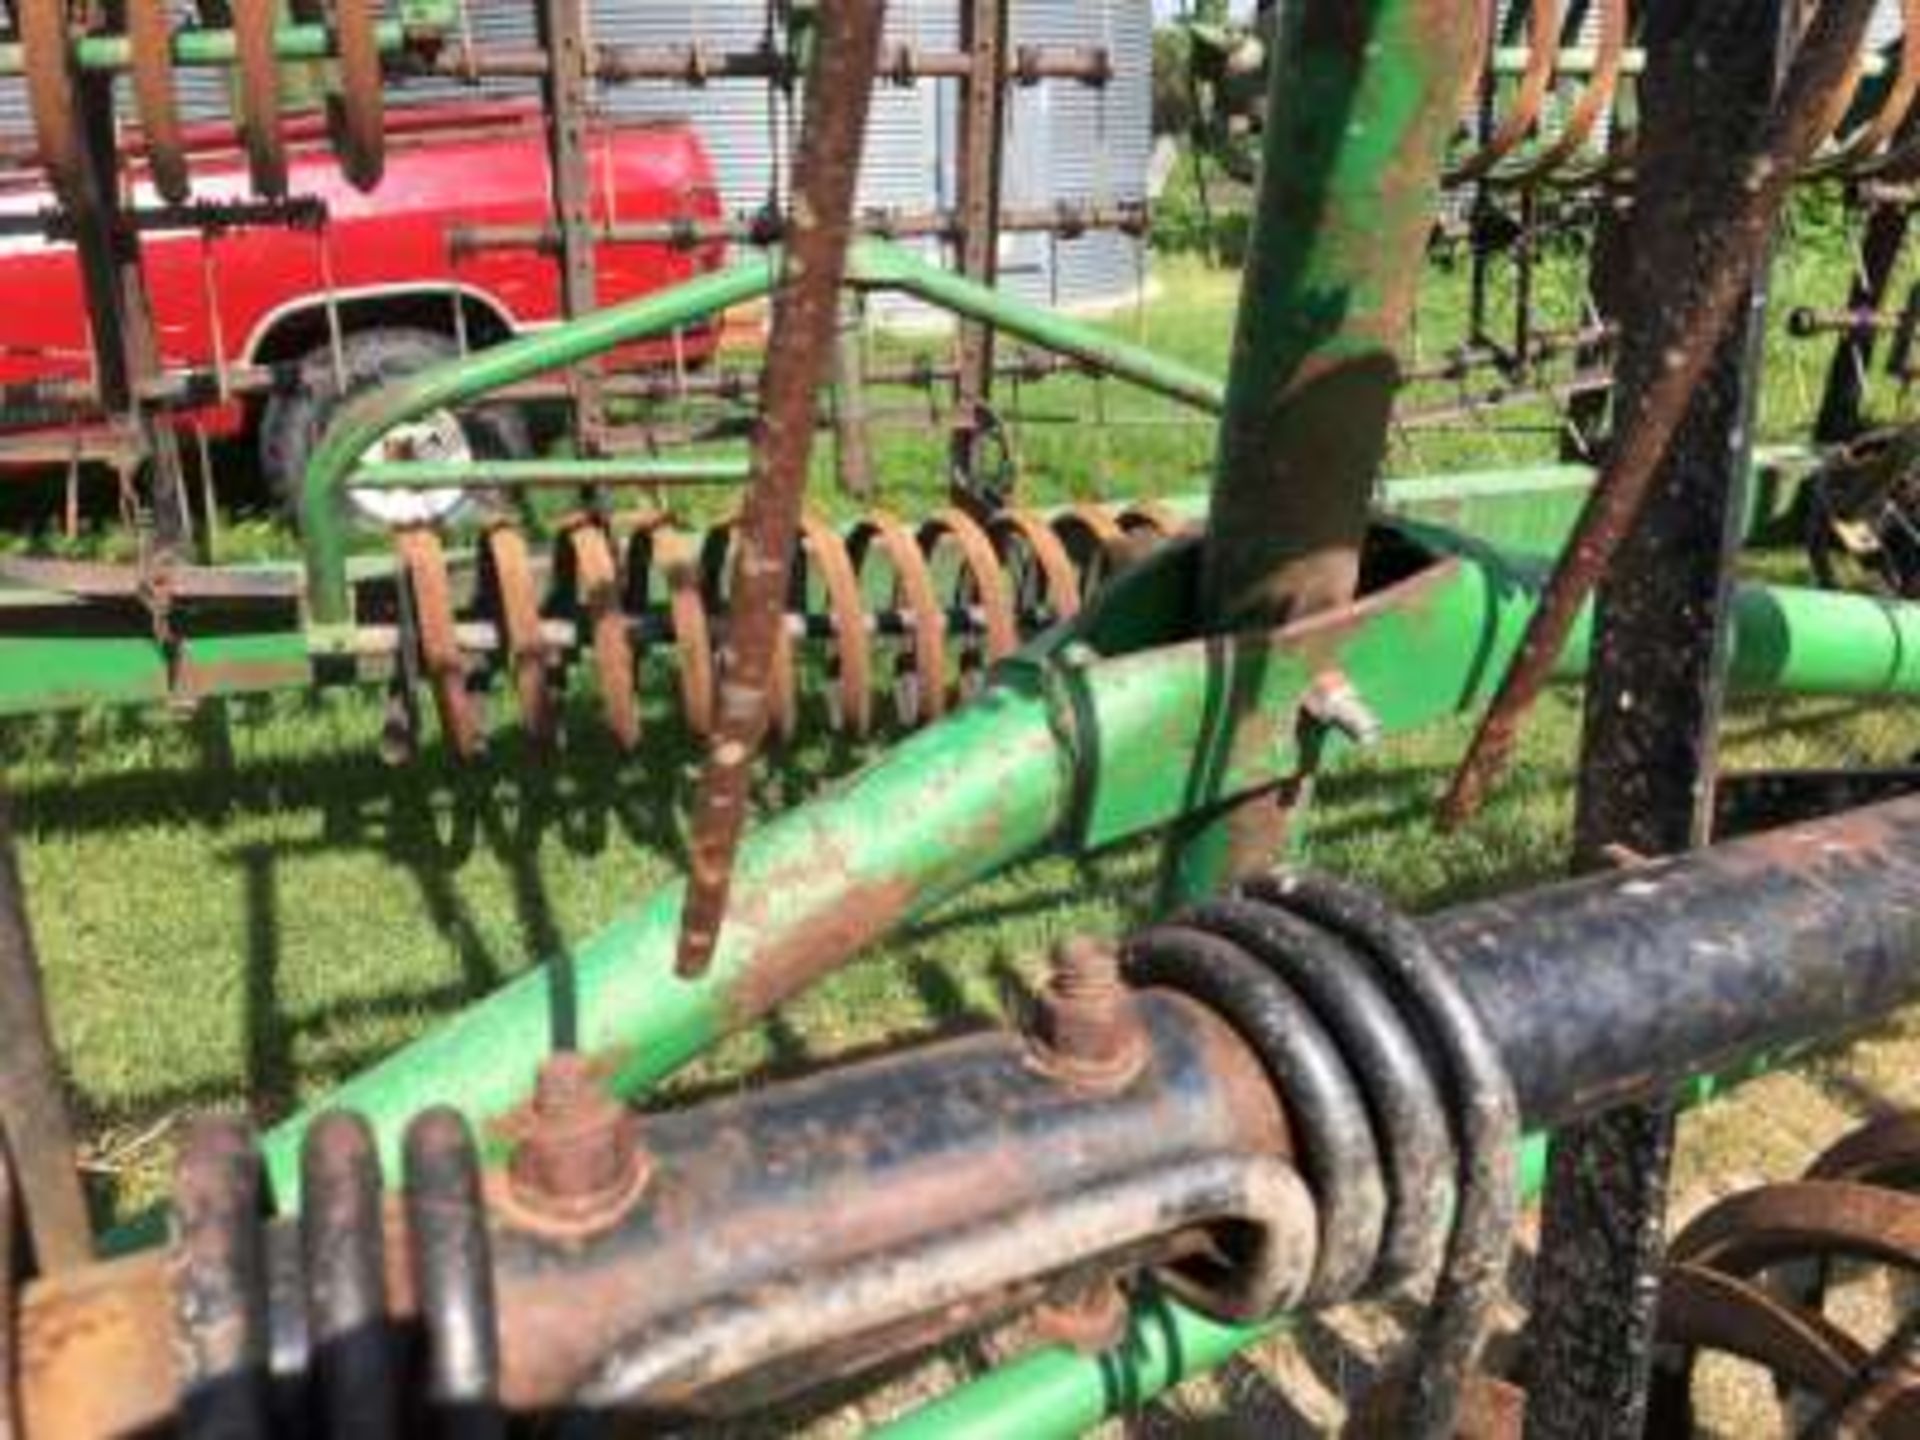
{"points": [[1403, 1118], [1872, 134], [912, 613], [1754, 1275], [355, 103], [282, 1330]]}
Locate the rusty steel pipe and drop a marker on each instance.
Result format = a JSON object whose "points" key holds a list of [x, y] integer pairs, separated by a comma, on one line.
{"points": [[799, 354], [34, 1125], [772, 1239], [1068, 219], [897, 64]]}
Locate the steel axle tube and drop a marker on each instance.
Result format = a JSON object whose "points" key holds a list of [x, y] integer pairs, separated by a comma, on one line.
{"points": [[771, 1241], [783, 1237]]}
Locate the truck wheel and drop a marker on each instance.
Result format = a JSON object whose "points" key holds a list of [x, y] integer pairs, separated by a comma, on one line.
{"points": [[294, 420]]}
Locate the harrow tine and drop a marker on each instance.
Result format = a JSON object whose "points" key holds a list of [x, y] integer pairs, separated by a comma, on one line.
{"points": [[852, 662], [587, 562], [655, 543], [42, 28], [424, 562], [356, 112], [1595, 101], [806, 313], [150, 38], [507, 582], [1032, 551], [920, 672], [980, 578], [1543, 42], [257, 98]]}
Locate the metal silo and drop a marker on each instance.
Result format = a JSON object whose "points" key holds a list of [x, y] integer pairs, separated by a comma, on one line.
{"points": [[1073, 143]]}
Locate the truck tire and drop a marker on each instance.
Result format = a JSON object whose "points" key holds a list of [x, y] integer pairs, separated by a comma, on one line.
{"points": [[294, 420]]}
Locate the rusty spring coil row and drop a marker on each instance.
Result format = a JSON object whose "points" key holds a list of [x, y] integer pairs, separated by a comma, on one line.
{"points": [[1754, 1276], [959, 594], [1877, 145]]}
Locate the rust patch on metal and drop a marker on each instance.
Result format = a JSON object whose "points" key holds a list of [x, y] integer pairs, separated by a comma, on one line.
{"points": [[818, 945]]}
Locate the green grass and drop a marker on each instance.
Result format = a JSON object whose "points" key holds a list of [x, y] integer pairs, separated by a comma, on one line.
{"points": [[242, 910]]}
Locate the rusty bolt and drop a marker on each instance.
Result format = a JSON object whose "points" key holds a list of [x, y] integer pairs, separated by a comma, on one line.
{"points": [[1089, 1316], [578, 1164], [1089, 1031]]}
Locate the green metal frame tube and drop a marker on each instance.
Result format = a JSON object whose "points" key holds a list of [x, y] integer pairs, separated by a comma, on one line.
{"points": [[879, 264], [364, 420], [1050, 754], [1363, 97], [962, 800], [513, 474]]}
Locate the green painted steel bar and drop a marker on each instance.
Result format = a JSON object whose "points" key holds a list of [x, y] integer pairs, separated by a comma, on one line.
{"points": [[880, 264], [365, 419], [1054, 753], [962, 800], [46, 666], [43, 673], [1362, 101], [512, 474]]}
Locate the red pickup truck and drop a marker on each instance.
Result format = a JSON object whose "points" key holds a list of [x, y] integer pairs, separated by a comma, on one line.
{"points": [[258, 296]]}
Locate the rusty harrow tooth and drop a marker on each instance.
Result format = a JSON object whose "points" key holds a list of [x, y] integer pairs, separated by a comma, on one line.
{"points": [[1882, 1152], [920, 613], [424, 563], [1595, 102], [1543, 43], [824, 553], [257, 97], [587, 571], [915, 700], [654, 544], [42, 28], [150, 38], [1703, 1309], [508, 585], [1036, 559], [1857, 154], [356, 111], [979, 579]]}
